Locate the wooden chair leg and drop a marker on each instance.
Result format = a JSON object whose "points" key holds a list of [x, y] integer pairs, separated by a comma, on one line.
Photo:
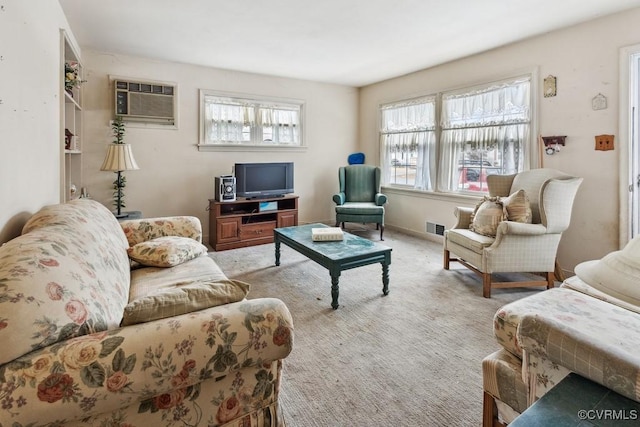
{"points": [[447, 257], [486, 285], [489, 413], [381, 231], [559, 273], [550, 279]]}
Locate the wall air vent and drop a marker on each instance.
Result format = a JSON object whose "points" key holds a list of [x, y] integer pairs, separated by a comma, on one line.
{"points": [[434, 228], [145, 102]]}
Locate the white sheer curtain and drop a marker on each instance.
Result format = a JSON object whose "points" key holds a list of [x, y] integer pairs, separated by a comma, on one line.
{"points": [[230, 120], [408, 143], [229, 123], [488, 127], [282, 125]]}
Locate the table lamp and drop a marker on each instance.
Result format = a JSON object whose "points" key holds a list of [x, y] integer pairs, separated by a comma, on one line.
{"points": [[119, 159]]}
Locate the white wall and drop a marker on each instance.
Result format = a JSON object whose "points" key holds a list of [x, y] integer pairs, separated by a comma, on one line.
{"points": [[29, 110], [174, 177], [584, 59]]}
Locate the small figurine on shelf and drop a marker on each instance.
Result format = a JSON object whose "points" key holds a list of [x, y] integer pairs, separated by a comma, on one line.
{"points": [[67, 139], [71, 76]]}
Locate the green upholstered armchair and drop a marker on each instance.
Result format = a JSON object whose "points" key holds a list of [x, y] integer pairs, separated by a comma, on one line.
{"points": [[359, 199]]}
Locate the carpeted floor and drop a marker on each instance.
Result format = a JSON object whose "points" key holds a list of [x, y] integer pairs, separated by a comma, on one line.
{"points": [[411, 358]]}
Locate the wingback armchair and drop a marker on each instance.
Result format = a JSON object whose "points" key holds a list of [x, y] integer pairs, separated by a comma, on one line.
{"points": [[517, 246], [359, 199]]}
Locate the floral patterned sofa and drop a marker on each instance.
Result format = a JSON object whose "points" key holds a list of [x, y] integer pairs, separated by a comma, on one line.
{"points": [[589, 325], [78, 350]]}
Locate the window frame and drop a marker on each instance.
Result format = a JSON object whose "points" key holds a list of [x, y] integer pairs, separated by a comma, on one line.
{"points": [[425, 130], [253, 145], [532, 154]]}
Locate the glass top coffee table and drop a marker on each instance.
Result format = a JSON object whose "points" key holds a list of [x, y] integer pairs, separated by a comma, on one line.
{"points": [[335, 256]]}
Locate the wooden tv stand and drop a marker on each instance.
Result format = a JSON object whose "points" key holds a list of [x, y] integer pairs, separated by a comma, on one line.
{"points": [[242, 222]]}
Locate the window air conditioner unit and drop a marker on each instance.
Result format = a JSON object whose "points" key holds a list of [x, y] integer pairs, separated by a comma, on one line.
{"points": [[145, 102]]}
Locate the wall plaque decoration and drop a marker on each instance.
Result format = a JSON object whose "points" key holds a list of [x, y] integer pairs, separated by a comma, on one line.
{"points": [[549, 87], [604, 142], [599, 102]]}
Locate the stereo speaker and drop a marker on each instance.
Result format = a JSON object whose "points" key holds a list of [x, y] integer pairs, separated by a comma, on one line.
{"points": [[225, 187]]}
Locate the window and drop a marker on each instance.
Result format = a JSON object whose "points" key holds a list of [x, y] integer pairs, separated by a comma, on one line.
{"points": [[408, 139], [241, 121], [481, 131]]}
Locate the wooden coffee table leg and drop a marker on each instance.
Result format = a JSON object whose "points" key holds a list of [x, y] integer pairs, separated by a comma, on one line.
{"points": [[335, 277], [277, 245], [385, 278]]}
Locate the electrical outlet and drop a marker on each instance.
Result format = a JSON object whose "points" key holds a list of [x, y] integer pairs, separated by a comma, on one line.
{"points": [[604, 142]]}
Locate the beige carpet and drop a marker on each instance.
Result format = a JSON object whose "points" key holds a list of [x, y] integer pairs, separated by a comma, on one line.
{"points": [[412, 358]]}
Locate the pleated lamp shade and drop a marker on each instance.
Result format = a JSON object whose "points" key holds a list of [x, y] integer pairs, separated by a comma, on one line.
{"points": [[119, 158]]}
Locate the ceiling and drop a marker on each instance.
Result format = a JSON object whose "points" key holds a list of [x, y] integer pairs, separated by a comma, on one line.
{"points": [[348, 42]]}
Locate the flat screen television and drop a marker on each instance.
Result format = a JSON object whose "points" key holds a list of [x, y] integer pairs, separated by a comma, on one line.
{"points": [[262, 180]]}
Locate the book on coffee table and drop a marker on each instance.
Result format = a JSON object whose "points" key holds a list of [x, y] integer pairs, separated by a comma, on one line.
{"points": [[327, 234]]}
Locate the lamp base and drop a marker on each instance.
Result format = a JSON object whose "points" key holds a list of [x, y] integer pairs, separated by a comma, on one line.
{"points": [[127, 215]]}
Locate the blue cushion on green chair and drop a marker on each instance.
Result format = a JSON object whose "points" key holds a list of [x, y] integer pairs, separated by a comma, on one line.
{"points": [[356, 158]]}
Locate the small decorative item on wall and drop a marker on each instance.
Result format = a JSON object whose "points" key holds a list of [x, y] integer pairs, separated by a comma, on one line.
{"points": [[604, 142], [552, 143], [550, 88], [599, 102]]}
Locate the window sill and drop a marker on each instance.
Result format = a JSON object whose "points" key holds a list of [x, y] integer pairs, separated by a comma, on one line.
{"points": [[238, 147], [449, 197]]}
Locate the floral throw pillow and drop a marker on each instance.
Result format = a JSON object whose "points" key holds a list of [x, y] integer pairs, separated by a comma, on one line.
{"points": [[166, 251], [517, 207], [487, 216]]}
